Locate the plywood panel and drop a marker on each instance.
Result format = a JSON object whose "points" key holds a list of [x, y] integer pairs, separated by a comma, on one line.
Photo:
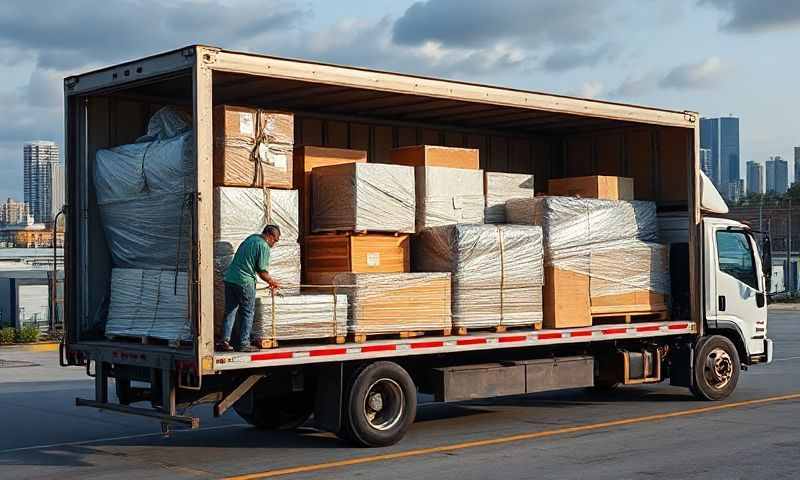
{"points": [[519, 160], [382, 144], [435, 156], [479, 142], [639, 160], [579, 156], [608, 149], [566, 299], [336, 134], [673, 146], [498, 155]]}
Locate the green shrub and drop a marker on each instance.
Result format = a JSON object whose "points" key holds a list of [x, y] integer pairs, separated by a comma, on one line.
{"points": [[7, 335], [28, 334]]}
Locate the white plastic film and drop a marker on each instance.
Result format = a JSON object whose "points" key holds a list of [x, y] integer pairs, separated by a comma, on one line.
{"points": [[295, 317], [446, 196], [240, 212], [501, 187]]}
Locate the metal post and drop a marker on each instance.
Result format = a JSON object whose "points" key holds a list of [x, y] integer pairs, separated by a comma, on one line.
{"points": [[54, 281], [792, 278]]}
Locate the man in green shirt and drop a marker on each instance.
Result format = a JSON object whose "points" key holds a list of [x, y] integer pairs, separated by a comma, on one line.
{"points": [[251, 260]]}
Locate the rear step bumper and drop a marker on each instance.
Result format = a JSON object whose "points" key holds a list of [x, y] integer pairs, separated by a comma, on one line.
{"points": [[166, 419]]}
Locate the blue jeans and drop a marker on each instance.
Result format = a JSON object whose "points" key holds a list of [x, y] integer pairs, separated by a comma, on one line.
{"points": [[239, 300]]}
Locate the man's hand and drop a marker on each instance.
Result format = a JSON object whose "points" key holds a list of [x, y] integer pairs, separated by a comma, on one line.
{"points": [[273, 284]]}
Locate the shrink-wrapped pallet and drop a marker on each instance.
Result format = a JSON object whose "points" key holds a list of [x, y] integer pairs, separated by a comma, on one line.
{"points": [[497, 271], [501, 187], [252, 147], [383, 303], [284, 267], [148, 303], [446, 196], [240, 211], [600, 257], [363, 197], [144, 193], [296, 317]]}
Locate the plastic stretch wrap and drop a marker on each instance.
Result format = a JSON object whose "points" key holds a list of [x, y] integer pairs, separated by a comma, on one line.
{"points": [[241, 211], [144, 194], [363, 196], [446, 196], [252, 148], [396, 302], [497, 271], [299, 316], [501, 187], [144, 303], [606, 240]]}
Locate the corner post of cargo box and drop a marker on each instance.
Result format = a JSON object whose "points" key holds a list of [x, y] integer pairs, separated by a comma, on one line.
{"points": [[203, 279], [695, 225]]}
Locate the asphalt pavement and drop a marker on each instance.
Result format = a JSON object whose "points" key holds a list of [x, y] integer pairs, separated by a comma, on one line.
{"points": [[653, 431]]}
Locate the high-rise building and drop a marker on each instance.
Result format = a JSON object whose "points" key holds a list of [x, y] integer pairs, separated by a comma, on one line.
{"points": [[735, 191], [40, 163], [721, 136], [777, 175], [706, 164], [755, 177], [13, 212], [796, 165]]}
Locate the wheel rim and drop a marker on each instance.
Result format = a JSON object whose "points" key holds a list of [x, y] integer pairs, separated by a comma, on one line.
{"points": [[718, 369], [384, 404]]}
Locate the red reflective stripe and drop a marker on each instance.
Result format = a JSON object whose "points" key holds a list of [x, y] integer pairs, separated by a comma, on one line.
{"points": [[270, 356], [679, 326], [614, 331], [378, 348], [328, 351], [581, 333], [470, 341], [518, 338], [650, 328], [548, 336], [427, 344]]}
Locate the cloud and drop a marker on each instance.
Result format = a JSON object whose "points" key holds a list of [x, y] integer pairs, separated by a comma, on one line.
{"points": [[754, 16], [636, 86], [590, 89], [694, 75], [563, 59], [476, 23]]}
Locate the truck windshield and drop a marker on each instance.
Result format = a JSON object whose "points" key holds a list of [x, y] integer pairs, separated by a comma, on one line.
{"points": [[736, 257]]}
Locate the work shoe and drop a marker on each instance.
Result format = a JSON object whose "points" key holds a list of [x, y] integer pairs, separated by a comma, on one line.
{"points": [[224, 347], [248, 349]]}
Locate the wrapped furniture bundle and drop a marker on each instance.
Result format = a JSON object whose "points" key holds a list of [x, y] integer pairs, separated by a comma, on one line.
{"points": [[382, 303], [363, 197], [296, 317], [600, 257], [501, 187], [252, 147], [446, 196], [148, 303], [496, 270], [239, 212]]}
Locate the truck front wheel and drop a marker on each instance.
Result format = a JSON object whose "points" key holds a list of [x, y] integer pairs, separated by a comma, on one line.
{"points": [[716, 368], [381, 404]]}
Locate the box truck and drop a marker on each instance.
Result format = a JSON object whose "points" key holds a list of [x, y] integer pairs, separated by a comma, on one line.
{"points": [[366, 392]]}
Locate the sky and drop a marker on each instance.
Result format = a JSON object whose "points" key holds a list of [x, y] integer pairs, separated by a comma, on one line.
{"points": [[717, 57]]}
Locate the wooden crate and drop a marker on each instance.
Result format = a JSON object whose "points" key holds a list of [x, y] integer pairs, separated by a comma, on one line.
{"points": [[566, 299], [305, 159], [594, 186], [235, 132], [435, 156], [327, 255]]}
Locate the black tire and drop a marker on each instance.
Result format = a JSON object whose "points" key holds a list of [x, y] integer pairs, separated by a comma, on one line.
{"points": [[380, 405], [716, 368], [282, 413]]}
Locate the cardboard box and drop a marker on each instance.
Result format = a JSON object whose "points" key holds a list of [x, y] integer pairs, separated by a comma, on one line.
{"points": [[307, 158], [447, 196], [499, 187], [325, 256], [382, 303], [566, 299], [435, 156], [252, 148], [363, 197], [595, 186]]}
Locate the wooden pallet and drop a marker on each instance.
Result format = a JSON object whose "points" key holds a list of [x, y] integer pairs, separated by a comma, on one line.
{"points": [[265, 343], [497, 328], [629, 317], [363, 337]]}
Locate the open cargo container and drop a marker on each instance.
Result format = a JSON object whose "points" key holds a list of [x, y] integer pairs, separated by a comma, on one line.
{"points": [[366, 391]]}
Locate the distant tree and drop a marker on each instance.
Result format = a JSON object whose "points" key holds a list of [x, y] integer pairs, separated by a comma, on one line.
{"points": [[793, 193]]}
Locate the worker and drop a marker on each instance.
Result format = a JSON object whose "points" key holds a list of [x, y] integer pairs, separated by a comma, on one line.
{"points": [[251, 260]]}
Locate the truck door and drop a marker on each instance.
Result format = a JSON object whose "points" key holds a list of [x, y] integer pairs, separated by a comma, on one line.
{"points": [[736, 296]]}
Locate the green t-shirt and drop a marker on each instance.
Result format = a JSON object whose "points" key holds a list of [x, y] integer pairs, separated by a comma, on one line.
{"points": [[251, 257]]}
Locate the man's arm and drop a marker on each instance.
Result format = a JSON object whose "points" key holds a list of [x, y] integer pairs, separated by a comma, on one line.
{"points": [[273, 284]]}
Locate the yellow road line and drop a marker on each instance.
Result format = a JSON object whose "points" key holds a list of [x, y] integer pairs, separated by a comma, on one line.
{"points": [[507, 439]]}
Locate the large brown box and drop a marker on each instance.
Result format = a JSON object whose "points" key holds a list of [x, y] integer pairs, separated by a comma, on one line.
{"points": [[383, 303], [305, 159], [435, 156], [327, 255], [252, 148], [595, 186], [566, 299]]}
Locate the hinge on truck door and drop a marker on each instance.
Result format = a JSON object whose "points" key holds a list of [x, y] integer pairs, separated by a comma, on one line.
{"points": [[689, 116]]}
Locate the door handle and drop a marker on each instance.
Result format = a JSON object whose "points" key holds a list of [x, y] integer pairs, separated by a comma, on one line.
{"points": [[760, 299], [721, 303]]}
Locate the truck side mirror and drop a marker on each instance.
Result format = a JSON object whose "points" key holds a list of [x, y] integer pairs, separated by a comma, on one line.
{"points": [[766, 260]]}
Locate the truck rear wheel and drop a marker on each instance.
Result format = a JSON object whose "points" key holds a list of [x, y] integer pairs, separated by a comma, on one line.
{"points": [[380, 405], [281, 413], [716, 368]]}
